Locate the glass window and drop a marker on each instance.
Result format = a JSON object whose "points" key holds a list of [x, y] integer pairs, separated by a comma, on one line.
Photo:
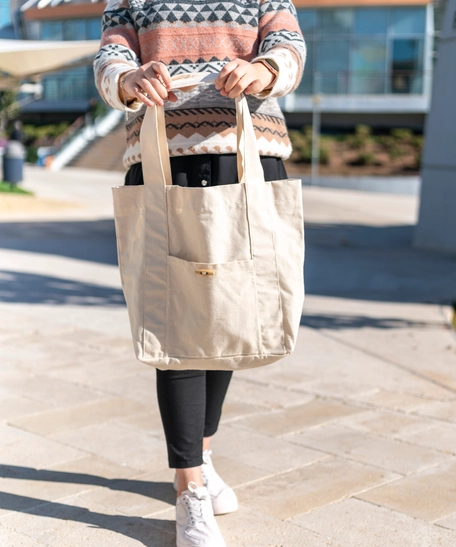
{"points": [[408, 21], [73, 84], [406, 66], [5, 18], [370, 83], [306, 85], [307, 20], [50, 87], [333, 83], [335, 21], [333, 55], [93, 29], [407, 54], [51, 30], [368, 55], [370, 20], [74, 29]]}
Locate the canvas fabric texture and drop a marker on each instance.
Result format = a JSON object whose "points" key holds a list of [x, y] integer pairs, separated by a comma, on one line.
{"points": [[213, 277], [195, 36]]}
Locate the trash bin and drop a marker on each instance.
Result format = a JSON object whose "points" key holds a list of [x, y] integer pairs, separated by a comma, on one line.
{"points": [[13, 162]]}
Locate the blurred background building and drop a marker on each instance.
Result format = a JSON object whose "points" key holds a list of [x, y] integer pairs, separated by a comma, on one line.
{"points": [[369, 63], [371, 60], [67, 93]]}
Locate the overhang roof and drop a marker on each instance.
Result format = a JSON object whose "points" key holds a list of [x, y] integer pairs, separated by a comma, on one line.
{"points": [[25, 58]]}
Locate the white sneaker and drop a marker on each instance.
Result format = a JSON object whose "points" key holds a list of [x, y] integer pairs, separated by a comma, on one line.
{"points": [[223, 498], [195, 522]]}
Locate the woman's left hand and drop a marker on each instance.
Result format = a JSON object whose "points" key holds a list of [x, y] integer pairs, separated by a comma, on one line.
{"points": [[239, 76]]}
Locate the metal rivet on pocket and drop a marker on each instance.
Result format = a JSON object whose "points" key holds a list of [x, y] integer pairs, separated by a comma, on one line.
{"points": [[205, 272], [204, 183]]}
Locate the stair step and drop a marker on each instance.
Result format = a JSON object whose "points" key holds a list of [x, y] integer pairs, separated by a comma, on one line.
{"points": [[104, 152]]}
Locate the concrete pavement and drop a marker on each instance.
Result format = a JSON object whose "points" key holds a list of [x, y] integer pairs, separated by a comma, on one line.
{"points": [[350, 442]]}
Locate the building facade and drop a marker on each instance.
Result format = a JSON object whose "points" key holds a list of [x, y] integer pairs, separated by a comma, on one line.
{"points": [[369, 61], [67, 93]]}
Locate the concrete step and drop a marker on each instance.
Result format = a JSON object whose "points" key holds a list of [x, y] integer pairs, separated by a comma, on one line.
{"points": [[104, 153]]}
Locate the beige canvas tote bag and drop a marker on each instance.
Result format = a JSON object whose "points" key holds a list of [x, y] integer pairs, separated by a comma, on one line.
{"points": [[213, 277]]}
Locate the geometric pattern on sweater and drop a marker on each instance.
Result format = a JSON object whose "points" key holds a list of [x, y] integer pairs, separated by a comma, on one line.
{"points": [[196, 36], [283, 38], [183, 13], [214, 66], [178, 16], [117, 51], [277, 6]]}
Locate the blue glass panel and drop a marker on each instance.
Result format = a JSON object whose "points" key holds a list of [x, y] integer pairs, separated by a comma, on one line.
{"points": [[332, 55], [69, 85], [406, 66], [307, 20], [94, 29], [407, 54], [371, 21], [51, 30], [5, 14], [368, 55], [335, 21], [74, 29], [333, 83], [306, 85], [370, 83], [408, 21]]}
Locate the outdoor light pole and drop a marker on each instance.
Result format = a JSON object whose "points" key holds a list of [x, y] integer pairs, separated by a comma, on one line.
{"points": [[316, 123]]}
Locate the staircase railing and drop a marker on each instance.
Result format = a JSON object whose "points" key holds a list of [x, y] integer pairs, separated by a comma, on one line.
{"points": [[84, 136]]}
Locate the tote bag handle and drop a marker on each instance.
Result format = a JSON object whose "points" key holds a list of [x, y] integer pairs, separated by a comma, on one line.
{"points": [[154, 144]]}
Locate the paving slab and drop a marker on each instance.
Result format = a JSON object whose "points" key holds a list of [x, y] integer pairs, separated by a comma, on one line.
{"points": [[364, 524], [438, 437], [389, 454], [296, 418], [304, 489], [349, 442], [428, 495], [393, 400], [55, 421]]}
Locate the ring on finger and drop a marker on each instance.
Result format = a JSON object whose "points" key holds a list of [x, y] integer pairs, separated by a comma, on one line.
{"points": [[142, 92]]}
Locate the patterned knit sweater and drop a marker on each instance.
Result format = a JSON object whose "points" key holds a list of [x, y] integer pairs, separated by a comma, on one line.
{"points": [[197, 36]]}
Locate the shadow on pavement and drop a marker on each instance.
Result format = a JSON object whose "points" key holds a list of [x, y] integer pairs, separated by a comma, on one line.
{"points": [[150, 532], [366, 262], [20, 287], [94, 241], [338, 321], [376, 264]]}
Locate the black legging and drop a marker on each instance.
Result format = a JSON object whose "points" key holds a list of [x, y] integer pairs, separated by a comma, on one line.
{"points": [[191, 401], [190, 404]]}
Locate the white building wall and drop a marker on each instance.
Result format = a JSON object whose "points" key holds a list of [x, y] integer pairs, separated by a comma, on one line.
{"points": [[437, 218]]}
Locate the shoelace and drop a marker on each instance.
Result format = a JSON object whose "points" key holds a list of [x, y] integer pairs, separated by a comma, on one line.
{"points": [[196, 504]]}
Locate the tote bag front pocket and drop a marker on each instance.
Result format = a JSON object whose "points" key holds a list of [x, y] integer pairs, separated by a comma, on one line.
{"points": [[213, 309]]}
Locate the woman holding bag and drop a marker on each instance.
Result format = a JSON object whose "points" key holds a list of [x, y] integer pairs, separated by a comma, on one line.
{"points": [[255, 48]]}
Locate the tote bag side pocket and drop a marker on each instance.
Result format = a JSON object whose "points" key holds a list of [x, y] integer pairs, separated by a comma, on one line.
{"points": [[129, 222]]}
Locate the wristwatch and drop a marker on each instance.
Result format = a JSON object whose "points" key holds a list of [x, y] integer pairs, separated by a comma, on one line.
{"points": [[273, 69]]}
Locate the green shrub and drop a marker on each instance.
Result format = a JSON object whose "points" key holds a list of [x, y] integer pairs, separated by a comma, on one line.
{"points": [[402, 136], [35, 132], [417, 142], [31, 154], [366, 158], [395, 151], [361, 137]]}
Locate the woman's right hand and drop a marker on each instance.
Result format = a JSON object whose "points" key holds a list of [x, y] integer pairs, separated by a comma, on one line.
{"points": [[148, 84]]}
